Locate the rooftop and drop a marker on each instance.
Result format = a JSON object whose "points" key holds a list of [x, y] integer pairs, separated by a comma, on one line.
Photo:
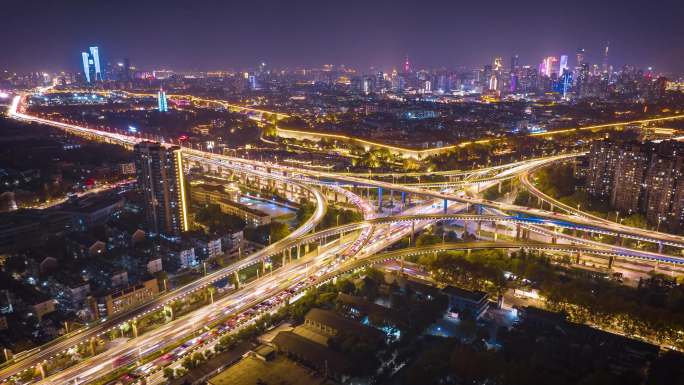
{"points": [[337, 322], [474, 296]]}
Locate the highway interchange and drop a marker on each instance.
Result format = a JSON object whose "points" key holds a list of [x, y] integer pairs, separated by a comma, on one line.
{"points": [[365, 245]]}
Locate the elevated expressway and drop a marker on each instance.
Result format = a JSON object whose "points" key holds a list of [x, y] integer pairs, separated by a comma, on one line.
{"points": [[294, 239], [607, 227], [554, 203], [48, 351], [463, 246], [582, 244], [341, 179], [277, 171], [307, 177], [265, 168]]}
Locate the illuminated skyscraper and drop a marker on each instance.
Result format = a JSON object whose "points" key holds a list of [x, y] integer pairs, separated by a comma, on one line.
{"points": [[95, 55], [515, 62], [563, 65], [407, 65], [580, 57], [498, 64], [547, 66], [605, 58], [161, 101], [91, 65], [86, 65], [160, 177]]}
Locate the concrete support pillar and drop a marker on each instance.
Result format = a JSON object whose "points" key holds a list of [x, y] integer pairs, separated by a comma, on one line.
{"points": [[660, 247], [41, 370], [413, 233], [169, 310], [236, 279], [392, 200], [610, 262], [446, 206], [518, 231], [262, 267], [379, 198]]}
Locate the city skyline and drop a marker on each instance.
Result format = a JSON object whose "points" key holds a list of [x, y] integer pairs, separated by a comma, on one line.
{"points": [[309, 34]]}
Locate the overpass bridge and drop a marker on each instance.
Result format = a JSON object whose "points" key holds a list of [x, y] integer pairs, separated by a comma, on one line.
{"points": [[307, 179]]}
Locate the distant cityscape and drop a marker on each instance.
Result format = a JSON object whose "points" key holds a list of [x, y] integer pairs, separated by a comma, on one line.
{"points": [[499, 79]]}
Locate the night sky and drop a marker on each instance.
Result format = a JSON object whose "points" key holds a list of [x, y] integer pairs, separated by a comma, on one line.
{"points": [[207, 35]]}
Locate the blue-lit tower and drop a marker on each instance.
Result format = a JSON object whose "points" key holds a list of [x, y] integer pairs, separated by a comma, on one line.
{"points": [[86, 65], [95, 56], [91, 65], [564, 84], [161, 100]]}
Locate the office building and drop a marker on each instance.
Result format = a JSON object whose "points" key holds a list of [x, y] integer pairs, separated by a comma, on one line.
{"points": [[548, 66], [580, 57], [605, 66], [160, 176], [162, 101], [515, 62], [563, 65], [91, 65]]}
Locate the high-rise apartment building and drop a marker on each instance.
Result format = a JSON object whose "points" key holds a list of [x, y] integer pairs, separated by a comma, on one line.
{"points": [[630, 166], [662, 177], [602, 160], [160, 177], [640, 177]]}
